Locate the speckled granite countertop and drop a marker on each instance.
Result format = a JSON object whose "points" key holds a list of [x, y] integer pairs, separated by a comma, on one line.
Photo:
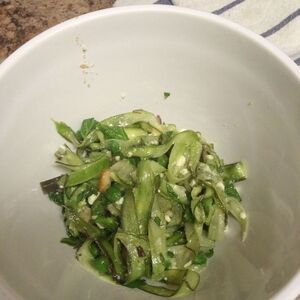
{"points": [[20, 20]]}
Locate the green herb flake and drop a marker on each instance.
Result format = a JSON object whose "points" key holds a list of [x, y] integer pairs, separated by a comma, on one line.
{"points": [[167, 95], [170, 254], [209, 253], [200, 258], [57, 197], [157, 221], [101, 264]]}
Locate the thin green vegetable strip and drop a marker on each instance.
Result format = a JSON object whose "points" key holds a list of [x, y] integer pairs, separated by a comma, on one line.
{"points": [[184, 156], [158, 248], [136, 263], [88, 171], [144, 195], [129, 220]]}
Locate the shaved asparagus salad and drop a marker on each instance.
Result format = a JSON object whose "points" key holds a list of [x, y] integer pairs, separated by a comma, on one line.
{"points": [[144, 203]]}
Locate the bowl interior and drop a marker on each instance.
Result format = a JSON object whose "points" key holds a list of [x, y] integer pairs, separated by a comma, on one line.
{"points": [[224, 82]]}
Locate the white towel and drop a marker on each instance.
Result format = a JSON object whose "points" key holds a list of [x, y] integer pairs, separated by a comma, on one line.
{"points": [[276, 20]]}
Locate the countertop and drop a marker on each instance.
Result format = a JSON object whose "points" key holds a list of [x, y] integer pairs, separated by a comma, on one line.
{"points": [[21, 20]]}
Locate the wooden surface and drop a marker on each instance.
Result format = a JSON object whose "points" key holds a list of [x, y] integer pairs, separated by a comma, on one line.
{"points": [[20, 20]]}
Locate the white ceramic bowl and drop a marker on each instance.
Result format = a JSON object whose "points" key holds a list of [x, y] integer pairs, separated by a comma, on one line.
{"points": [[230, 84]]}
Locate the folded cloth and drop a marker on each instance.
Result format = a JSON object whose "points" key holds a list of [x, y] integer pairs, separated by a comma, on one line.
{"points": [[278, 21]]}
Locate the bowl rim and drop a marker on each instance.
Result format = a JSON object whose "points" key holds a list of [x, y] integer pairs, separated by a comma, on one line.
{"points": [[254, 37], [292, 288]]}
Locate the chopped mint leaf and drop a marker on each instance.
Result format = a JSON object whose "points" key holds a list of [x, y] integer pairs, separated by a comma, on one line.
{"points": [[166, 95]]}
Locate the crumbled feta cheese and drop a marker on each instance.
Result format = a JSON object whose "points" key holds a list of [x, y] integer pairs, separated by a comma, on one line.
{"points": [[187, 264], [193, 183], [145, 176], [181, 161], [100, 226], [243, 215], [167, 218], [184, 171], [62, 148], [117, 158], [91, 199], [209, 157], [220, 185], [161, 175], [120, 201], [85, 213], [123, 95], [129, 154], [154, 142], [206, 168]]}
